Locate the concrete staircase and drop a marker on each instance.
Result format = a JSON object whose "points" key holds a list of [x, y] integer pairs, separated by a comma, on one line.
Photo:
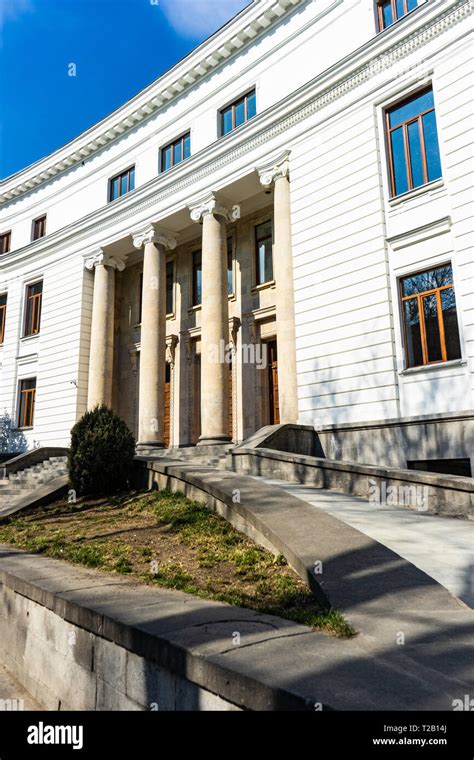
{"points": [[217, 456], [17, 488]]}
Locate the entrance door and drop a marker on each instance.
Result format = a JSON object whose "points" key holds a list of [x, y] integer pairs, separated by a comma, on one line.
{"points": [[231, 428], [273, 405], [167, 425], [196, 419]]}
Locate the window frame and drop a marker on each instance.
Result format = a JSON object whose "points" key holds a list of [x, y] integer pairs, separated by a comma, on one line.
{"points": [[5, 236], [421, 315], [171, 261], [27, 300], [256, 266], [194, 303], [42, 220], [3, 316], [119, 176], [232, 104], [404, 124], [173, 145], [231, 250], [22, 406], [379, 8]]}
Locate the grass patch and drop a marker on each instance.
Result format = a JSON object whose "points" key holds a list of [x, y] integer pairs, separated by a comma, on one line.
{"points": [[165, 539]]}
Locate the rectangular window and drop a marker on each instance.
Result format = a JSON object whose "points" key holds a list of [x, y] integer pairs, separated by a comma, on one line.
{"points": [[197, 278], [26, 402], [3, 315], [263, 249], [230, 268], [169, 287], [39, 228], [429, 317], [5, 242], [175, 152], [238, 112], [122, 184], [169, 290], [390, 11], [34, 297], [413, 147]]}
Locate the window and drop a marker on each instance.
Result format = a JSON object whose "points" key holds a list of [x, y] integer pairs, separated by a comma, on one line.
{"points": [[169, 290], [5, 241], [39, 228], [263, 248], [169, 287], [175, 152], [390, 11], [197, 278], [238, 113], [122, 184], [413, 143], [34, 296], [230, 272], [429, 317], [3, 315], [26, 402]]}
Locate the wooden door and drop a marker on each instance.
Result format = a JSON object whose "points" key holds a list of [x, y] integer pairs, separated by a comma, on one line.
{"points": [[231, 429], [273, 403], [167, 425]]}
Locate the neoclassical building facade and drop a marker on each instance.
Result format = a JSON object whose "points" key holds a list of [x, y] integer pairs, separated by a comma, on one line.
{"points": [[278, 229]]}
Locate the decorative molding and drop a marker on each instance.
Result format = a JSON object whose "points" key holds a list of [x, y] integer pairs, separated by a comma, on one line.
{"points": [[209, 204], [233, 38], [150, 234], [234, 327], [426, 232], [275, 168], [258, 132], [171, 343], [104, 259]]}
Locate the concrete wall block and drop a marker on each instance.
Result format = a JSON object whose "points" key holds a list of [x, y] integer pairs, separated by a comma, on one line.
{"points": [[110, 663], [150, 686], [109, 698]]}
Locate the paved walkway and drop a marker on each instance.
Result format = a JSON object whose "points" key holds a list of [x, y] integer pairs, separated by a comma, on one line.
{"points": [[13, 695], [442, 547]]}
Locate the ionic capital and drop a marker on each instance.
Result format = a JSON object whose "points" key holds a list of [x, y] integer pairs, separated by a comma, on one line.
{"points": [[104, 259], [150, 234], [209, 204], [275, 168]]}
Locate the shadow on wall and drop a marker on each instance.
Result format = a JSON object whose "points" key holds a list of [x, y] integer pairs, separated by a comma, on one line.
{"points": [[12, 441], [366, 389]]}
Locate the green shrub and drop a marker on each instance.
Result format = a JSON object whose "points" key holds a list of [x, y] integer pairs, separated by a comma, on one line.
{"points": [[101, 455]]}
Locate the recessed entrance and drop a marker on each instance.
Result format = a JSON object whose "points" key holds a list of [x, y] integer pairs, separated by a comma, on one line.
{"points": [[272, 384]]}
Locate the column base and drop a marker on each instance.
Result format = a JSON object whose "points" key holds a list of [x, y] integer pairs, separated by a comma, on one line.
{"points": [[214, 440], [152, 445]]}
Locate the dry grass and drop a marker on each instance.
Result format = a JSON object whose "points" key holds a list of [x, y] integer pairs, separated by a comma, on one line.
{"points": [[165, 539]]}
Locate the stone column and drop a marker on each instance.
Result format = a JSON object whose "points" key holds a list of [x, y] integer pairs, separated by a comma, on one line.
{"points": [[276, 173], [214, 318], [151, 395], [102, 330]]}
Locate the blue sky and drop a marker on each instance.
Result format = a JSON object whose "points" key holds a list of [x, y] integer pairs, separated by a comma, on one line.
{"points": [[118, 47]]}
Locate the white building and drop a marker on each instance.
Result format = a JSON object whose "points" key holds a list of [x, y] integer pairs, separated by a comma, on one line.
{"points": [[302, 128]]}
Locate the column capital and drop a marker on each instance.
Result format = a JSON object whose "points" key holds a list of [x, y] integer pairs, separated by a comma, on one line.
{"points": [[275, 168], [151, 234], [210, 204], [99, 257]]}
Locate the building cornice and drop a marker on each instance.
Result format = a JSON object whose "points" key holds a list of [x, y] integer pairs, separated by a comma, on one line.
{"points": [[239, 33], [342, 79]]}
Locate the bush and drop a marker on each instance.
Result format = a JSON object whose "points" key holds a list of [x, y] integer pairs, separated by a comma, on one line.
{"points": [[101, 455]]}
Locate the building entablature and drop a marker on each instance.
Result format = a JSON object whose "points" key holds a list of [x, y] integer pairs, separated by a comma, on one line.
{"points": [[253, 145]]}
